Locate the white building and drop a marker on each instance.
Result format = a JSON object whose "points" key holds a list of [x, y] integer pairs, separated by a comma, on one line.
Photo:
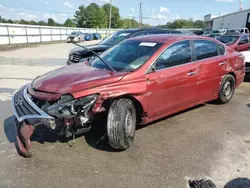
{"points": [[238, 19]]}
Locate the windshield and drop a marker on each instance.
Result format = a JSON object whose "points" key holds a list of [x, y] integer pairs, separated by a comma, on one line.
{"points": [[74, 33], [126, 56], [216, 31], [115, 38], [228, 39]]}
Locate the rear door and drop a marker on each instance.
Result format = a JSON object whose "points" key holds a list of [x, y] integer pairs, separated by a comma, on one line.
{"points": [[210, 69], [173, 83]]}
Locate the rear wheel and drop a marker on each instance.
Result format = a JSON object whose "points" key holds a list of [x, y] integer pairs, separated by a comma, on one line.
{"points": [[121, 124], [227, 89]]}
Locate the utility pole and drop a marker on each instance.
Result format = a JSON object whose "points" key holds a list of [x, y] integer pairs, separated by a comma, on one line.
{"points": [[110, 13], [240, 5], [140, 15]]}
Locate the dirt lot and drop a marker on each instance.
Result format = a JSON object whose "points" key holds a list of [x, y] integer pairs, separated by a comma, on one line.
{"points": [[210, 141]]}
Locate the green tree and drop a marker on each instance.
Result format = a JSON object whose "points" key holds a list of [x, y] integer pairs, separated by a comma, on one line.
{"points": [[22, 21], [32, 22], [42, 23], [51, 22], [199, 24], [129, 23], [115, 18], [91, 16], [81, 17], [69, 23]]}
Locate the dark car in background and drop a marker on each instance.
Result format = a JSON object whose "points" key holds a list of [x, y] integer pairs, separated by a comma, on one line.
{"points": [[97, 36], [89, 36], [80, 55]]}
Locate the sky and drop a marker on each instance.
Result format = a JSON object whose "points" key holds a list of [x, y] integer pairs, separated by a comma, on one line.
{"points": [[155, 11]]}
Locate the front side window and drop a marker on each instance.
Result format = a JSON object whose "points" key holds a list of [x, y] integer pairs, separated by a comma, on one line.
{"points": [[177, 54], [205, 49]]}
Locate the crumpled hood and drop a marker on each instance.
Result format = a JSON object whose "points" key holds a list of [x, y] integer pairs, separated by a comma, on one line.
{"points": [[73, 78]]}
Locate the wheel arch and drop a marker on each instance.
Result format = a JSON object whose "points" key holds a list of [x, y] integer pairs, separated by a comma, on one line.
{"points": [[138, 106], [233, 74]]}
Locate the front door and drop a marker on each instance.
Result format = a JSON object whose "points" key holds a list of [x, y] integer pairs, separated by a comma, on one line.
{"points": [[173, 83]]}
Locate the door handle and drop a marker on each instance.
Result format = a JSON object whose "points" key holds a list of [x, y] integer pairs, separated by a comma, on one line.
{"points": [[222, 63], [191, 73]]}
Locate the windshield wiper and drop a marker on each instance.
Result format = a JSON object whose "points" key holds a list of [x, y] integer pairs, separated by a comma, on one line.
{"points": [[97, 56]]}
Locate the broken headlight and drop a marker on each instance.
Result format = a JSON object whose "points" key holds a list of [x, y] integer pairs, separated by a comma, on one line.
{"points": [[68, 107]]}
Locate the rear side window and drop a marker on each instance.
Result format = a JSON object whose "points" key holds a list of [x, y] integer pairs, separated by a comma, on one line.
{"points": [[175, 55], [205, 49], [221, 50]]}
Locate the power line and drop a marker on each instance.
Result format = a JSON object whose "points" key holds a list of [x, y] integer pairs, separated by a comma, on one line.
{"points": [[36, 9]]}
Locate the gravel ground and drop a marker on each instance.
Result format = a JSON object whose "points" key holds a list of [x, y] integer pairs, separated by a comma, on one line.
{"points": [[209, 141]]}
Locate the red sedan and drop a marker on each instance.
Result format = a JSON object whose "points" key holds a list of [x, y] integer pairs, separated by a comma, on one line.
{"points": [[135, 82]]}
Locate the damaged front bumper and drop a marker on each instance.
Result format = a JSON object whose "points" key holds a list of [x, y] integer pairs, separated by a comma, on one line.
{"points": [[66, 115], [28, 116]]}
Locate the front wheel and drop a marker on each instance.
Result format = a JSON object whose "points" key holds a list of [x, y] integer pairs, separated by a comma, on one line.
{"points": [[121, 124], [227, 89]]}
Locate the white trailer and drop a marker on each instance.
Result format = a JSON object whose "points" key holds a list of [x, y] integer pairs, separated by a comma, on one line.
{"points": [[240, 19]]}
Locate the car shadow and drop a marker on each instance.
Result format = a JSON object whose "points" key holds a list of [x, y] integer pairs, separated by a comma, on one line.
{"points": [[96, 137], [238, 183]]}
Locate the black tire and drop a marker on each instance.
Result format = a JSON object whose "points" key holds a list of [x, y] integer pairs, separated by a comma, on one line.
{"points": [[227, 89], [121, 124]]}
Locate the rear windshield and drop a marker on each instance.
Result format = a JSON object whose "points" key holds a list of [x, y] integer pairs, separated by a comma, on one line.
{"points": [[115, 38]]}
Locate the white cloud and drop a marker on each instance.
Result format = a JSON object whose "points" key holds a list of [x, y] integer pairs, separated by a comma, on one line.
{"points": [[164, 9], [63, 15], [177, 17], [104, 1], [68, 4], [53, 16], [25, 16], [12, 10], [46, 2], [1, 6], [160, 17], [225, 1], [132, 10]]}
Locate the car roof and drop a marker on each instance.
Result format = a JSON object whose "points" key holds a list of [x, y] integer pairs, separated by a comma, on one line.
{"points": [[164, 38]]}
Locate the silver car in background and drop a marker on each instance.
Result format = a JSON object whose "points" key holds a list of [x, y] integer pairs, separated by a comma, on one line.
{"points": [[76, 36]]}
